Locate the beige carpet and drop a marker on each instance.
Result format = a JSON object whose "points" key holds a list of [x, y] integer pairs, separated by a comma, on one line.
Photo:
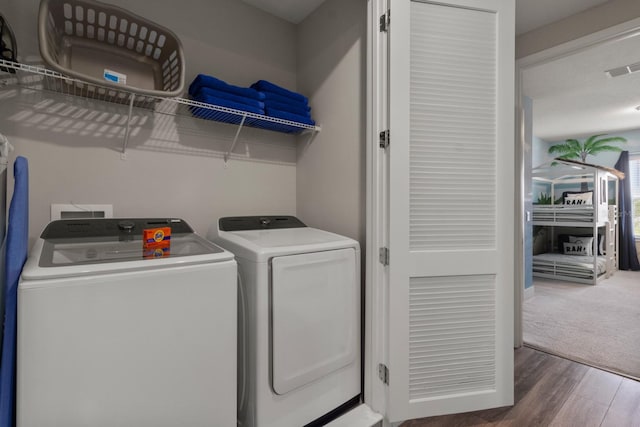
{"points": [[597, 325]]}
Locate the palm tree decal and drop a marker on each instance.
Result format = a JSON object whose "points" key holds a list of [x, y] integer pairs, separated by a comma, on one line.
{"points": [[574, 149]]}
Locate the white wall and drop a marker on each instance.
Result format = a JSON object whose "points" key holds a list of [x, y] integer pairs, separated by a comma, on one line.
{"points": [[174, 165], [332, 72]]}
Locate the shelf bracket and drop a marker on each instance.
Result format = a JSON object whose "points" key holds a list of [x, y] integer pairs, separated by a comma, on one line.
{"points": [[235, 139], [128, 129], [312, 134]]}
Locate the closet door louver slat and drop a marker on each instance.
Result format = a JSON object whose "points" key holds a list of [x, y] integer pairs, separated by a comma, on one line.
{"points": [[467, 332], [442, 56]]}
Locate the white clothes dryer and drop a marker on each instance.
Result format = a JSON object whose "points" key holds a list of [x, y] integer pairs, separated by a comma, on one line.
{"points": [[299, 319], [111, 335]]}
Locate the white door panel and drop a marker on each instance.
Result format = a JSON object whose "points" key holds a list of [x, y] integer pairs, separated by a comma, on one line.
{"points": [[451, 174]]}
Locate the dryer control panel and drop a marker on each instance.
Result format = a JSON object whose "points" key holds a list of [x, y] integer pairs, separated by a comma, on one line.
{"points": [[264, 222]]}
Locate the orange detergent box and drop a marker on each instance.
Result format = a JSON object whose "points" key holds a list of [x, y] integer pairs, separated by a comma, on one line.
{"points": [[156, 242], [152, 237]]}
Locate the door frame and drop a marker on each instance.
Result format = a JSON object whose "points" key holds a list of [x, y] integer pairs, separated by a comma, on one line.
{"points": [[599, 38], [376, 279]]}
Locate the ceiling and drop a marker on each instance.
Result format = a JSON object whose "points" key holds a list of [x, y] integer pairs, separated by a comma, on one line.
{"points": [[572, 96], [530, 14], [293, 11]]}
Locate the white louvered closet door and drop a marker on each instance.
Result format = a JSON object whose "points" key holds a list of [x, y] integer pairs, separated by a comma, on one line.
{"points": [[451, 217]]}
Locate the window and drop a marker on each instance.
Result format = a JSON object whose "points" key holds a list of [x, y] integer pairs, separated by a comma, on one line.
{"points": [[634, 176]]}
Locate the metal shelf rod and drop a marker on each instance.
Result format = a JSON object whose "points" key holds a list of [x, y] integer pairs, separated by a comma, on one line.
{"points": [[235, 140]]}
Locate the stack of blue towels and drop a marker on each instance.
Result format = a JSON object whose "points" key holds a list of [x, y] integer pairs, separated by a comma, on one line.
{"points": [[283, 103], [262, 98], [211, 90]]}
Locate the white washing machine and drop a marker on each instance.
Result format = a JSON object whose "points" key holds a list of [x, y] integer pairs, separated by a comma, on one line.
{"points": [[111, 335], [299, 319]]}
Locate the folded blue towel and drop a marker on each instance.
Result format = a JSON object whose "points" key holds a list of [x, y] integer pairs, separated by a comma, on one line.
{"points": [[229, 104], [272, 96], [202, 80], [289, 107], [284, 115], [263, 85], [277, 127], [207, 91]]}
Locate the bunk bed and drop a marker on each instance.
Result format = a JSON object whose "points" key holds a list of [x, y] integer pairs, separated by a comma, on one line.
{"points": [[577, 204]]}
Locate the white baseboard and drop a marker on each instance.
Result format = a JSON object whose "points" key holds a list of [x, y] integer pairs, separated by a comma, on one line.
{"points": [[360, 416], [528, 292]]}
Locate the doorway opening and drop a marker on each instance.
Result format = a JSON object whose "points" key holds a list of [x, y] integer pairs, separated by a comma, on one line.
{"points": [[566, 93]]}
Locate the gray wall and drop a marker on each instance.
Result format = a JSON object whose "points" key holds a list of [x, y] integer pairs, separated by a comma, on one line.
{"points": [[174, 165], [332, 71], [590, 21]]}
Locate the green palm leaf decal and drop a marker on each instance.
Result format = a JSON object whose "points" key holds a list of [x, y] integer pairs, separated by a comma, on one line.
{"points": [[574, 149], [592, 140], [605, 141], [603, 148]]}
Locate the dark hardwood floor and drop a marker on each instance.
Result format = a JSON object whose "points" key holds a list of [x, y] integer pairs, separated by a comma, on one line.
{"points": [[551, 391]]}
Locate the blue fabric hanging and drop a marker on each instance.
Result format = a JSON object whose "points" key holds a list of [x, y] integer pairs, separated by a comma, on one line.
{"points": [[627, 256], [16, 255]]}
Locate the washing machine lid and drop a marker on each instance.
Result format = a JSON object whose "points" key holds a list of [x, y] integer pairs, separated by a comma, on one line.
{"points": [[91, 246], [260, 243]]}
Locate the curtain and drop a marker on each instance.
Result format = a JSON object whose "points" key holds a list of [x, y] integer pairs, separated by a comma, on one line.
{"points": [[627, 254]]}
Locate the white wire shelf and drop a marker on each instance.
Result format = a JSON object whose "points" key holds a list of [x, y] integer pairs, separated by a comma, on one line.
{"points": [[42, 79]]}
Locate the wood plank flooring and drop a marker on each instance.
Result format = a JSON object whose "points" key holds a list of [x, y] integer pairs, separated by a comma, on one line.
{"points": [[551, 391]]}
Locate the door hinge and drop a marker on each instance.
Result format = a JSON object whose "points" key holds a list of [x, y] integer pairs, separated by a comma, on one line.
{"points": [[385, 20], [384, 256], [385, 139], [383, 373]]}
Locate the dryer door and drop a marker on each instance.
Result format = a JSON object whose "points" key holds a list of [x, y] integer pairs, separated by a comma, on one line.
{"points": [[315, 316]]}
